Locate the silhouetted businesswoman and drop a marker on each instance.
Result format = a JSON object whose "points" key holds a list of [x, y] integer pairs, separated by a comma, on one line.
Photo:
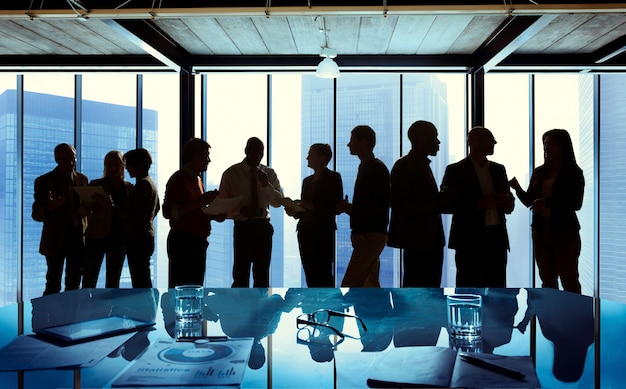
{"points": [[482, 198]]}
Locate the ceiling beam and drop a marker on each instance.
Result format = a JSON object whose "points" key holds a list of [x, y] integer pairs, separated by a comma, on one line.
{"points": [[511, 35], [391, 63], [148, 36], [85, 63], [612, 51], [224, 8]]}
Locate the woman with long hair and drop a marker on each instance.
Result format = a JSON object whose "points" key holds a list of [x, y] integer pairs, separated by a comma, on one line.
{"points": [[554, 195], [104, 230]]}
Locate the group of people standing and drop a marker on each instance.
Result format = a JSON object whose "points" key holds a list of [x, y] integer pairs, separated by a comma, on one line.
{"points": [[475, 191], [80, 233]]}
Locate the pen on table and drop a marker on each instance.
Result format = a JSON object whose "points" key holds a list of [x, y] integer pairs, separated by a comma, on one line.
{"points": [[490, 366], [205, 338]]}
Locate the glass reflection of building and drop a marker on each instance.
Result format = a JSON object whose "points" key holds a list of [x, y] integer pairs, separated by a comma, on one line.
{"points": [[48, 121]]}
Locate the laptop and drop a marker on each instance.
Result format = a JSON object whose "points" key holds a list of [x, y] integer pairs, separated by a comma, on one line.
{"points": [[93, 329]]}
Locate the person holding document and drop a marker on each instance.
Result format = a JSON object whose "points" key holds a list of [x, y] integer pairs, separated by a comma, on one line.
{"points": [[321, 192], [258, 186], [184, 205]]}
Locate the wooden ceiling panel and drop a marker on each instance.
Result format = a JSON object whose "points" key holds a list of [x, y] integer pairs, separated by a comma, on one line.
{"points": [[375, 33], [548, 36], [584, 38], [444, 31], [244, 34], [10, 43], [306, 33], [409, 33], [276, 34], [343, 33], [31, 32], [189, 35], [476, 32], [212, 39]]}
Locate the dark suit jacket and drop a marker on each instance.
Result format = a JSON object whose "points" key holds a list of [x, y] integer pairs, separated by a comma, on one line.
{"points": [[415, 216], [56, 222], [324, 194], [467, 218]]}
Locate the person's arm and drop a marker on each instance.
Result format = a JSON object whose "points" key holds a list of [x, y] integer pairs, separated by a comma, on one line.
{"points": [[271, 190]]}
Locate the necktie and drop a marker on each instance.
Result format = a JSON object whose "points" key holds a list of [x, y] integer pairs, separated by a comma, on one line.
{"points": [[254, 194]]}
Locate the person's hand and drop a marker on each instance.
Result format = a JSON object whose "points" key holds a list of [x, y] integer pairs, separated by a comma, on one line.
{"points": [[539, 204], [290, 211], [305, 204], [515, 184], [54, 202], [343, 206], [207, 197]]}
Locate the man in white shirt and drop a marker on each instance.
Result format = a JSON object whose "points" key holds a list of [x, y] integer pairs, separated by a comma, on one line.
{"points": [[258, 187], [483, 197]]}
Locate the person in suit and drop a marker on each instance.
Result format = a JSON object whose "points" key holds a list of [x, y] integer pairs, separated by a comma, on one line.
{"points": [[415, 224], [64, 219], [104, 229], [259, 187], [482, 198], [321, 192], [369, 212], [554, 194]]}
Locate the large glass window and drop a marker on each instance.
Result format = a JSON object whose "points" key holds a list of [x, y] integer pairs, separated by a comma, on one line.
{"points": [[48, 121], [10, 193], [566, 101], [236, 110], [612, 208], [373, 100], [108, 123], [160, 131], [507, 116]]}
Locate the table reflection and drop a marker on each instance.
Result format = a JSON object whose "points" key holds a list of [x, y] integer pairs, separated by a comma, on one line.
{"points": [[516, 321]]}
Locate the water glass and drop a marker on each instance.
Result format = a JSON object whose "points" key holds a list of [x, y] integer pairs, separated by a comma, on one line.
{"points": [[188, 302], [464, 315]]}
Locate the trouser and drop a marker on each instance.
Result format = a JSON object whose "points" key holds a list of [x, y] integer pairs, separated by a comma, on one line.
{"points": [[187, 259], [138, 252], [95, 250], [557, 257], [422, 268], [317, 252], [252, 240], [71, 255], [364, 266], [483, 262]]}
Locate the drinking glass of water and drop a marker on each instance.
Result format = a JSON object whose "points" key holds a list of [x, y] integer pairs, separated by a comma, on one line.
{"points": [[464, 315], [188, 302]]}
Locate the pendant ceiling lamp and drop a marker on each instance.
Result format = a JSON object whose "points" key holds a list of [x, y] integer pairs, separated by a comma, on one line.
{"points": [[327, 68]]}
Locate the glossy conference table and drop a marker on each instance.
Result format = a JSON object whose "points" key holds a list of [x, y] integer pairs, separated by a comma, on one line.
{"points": [[575, 341]]}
